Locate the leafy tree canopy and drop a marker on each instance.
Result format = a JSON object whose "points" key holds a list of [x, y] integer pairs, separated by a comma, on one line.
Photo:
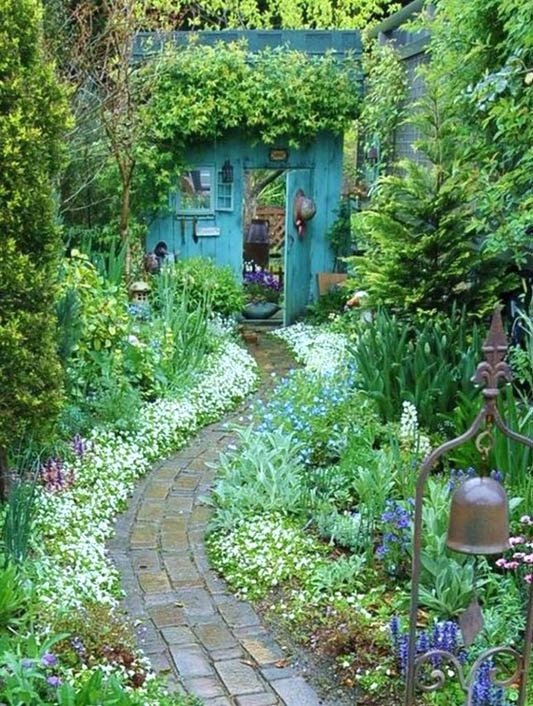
{"points": [[269, 14], [482, 61]]}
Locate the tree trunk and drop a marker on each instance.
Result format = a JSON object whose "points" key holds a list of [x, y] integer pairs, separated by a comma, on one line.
{"points": [[4, 470], [124, 223]]}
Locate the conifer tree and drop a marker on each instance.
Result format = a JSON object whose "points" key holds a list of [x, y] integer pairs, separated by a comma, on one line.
{"points": [[32, 117]]}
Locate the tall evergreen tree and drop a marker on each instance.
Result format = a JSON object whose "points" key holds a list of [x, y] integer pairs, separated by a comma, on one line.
{"points": [[32, 117]]}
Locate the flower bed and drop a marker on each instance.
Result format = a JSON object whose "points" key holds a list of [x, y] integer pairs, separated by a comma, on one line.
{"points": [[320, 463], [70, 571]]}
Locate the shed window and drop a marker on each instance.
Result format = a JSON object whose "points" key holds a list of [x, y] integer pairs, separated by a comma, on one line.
{"points": [[224, 194], [195, 194]]}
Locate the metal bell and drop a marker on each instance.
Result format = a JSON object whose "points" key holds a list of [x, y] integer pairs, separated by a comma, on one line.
{"points": [[479, 518]]}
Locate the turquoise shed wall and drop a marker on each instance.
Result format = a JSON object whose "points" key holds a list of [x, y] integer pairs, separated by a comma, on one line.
{"points": [[323, 159]]}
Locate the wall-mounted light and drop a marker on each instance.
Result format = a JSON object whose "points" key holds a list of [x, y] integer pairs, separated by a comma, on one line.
{"points": [[372, 155], [227, 172]]}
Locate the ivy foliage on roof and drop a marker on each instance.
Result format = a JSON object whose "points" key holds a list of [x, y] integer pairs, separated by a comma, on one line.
{"points": [[202, 92]]}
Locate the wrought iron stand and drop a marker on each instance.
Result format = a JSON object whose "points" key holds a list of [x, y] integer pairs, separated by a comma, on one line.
{"points": [[489, 373]]}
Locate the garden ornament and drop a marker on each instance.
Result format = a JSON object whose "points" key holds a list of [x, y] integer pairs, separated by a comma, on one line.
{"points": [[478, 524], [140, 292], [304, 210], [479, 513]]}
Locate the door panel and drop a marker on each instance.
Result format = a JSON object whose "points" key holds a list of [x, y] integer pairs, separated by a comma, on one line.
{"points": [[297, 250]]}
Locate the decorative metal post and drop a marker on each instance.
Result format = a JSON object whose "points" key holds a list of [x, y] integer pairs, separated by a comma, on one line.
{"points": [[489, 373]]}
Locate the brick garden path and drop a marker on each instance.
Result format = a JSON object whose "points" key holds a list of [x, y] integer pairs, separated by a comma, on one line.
{"points": [[192, 628]]}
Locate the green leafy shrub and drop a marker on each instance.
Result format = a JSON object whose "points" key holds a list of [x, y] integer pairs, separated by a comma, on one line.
{"points": [[33, 118], [344, 575], [427, 364], [417, 254], [316, 409], [206, 282], [15, 596], [327, 305], [347, 529], [264, 476], [98, 635]]}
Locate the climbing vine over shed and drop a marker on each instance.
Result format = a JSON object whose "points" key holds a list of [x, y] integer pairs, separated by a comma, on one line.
{"points": [[204, 92]]}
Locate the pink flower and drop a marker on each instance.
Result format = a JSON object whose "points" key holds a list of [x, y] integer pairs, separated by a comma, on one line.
{"points": [[518, 555], [528, 559], [526, 520], [501, 563], [513, 541], [529, 578], [512, 565]]}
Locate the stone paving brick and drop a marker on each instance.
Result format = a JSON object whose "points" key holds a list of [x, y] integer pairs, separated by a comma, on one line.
{"points": [[144, 536], [173, 539], [191, 662], [273, 673], [263, 649], [228, 653], [204, 687], [160, 662], [200, 515], [154, 582], [160, 599], [181, 635], [219, 701], [157, 490], [182, 570], [148, 509], [166, 615], [215, 636], [239, 678], [296, 692], [257, 700], [144, 560]]}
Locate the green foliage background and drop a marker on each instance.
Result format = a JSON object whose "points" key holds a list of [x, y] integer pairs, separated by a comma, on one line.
{"points": [[482, 61], [33, 114], [202, 92]]}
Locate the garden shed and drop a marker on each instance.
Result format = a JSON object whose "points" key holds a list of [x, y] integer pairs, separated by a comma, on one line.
{"points": [[209, 211]]}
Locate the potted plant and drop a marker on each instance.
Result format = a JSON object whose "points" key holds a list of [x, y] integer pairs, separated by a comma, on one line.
{"points": [[262, 290]]}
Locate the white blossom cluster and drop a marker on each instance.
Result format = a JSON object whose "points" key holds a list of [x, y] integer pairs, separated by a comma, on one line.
{"points": [[318, 349], [410, 435], [256, 556], [72, 526]]}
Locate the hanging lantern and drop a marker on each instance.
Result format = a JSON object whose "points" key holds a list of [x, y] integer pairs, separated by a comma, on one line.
{"points": [[479, 518], [227, 172]]}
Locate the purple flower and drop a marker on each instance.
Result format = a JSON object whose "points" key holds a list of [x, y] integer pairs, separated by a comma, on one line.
{"points": [[49, 660], [27, 663], [54, 476], [54, 681], [78, 645], [78, 445]]}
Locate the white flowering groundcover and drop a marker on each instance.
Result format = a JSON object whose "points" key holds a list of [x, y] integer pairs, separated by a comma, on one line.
{"points": [[318, 349], [73, 525]]}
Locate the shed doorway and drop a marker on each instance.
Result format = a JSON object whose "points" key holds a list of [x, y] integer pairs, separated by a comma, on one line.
{"points": [[263, 218]]}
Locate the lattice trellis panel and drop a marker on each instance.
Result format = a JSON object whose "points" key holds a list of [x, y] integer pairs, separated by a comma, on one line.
{"points": [[275, 215]]}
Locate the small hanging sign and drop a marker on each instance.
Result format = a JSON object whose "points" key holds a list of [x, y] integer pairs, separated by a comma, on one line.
{"points": [[207, 231], [471, 622], [278, 154]]}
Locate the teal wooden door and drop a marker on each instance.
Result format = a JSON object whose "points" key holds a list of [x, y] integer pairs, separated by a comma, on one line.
{"points": [[297, 250]]}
